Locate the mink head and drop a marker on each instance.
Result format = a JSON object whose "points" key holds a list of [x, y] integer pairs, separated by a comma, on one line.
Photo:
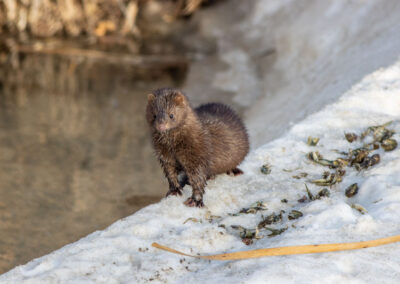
{"points": [[166, 109]]}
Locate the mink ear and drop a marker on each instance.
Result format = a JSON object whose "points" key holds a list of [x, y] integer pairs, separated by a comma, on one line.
{"points": [[151, 97], [179, 98]]}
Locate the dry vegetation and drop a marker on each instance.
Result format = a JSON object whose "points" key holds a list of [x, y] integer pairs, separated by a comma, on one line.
{"points": [[139, 34], [93, 18], [129, 26]]}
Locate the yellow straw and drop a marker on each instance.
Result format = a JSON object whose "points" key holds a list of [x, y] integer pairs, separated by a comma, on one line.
{"points": [[288, 250]]}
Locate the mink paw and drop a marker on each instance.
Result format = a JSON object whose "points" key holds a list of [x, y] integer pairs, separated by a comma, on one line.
{"points": [[174, 192], [191, 202], [235, 172]]}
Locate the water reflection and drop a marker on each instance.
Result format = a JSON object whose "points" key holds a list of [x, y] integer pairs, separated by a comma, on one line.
{"points": [[69, 165]]}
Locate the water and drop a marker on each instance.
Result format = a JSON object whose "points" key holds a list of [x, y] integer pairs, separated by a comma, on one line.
{"points": [[73, 159]]}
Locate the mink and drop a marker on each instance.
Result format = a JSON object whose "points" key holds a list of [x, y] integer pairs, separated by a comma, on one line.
{"points": [[194, 144]]}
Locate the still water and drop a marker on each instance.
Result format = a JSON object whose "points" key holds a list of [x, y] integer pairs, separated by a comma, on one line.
{"points": [[71, 163]]}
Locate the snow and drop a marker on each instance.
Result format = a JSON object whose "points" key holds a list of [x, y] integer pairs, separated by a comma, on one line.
{"points": [[122, 253], [285, 60]]}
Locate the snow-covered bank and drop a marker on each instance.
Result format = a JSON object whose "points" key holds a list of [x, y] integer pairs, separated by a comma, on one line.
{"points": [[283, 60], [123, 252]]}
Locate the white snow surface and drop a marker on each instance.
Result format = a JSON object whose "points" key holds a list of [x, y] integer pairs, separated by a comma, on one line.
{"points": [[122, 253], [290, 58]]}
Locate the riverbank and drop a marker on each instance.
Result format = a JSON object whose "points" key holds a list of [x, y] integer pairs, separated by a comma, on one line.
{"points": [[123, 251]]}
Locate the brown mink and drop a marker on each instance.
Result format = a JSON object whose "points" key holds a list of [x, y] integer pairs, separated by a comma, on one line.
{"points": [[194, 145]]}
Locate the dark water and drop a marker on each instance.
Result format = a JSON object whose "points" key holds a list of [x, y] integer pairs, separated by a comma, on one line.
{"points": [[71, 162]]}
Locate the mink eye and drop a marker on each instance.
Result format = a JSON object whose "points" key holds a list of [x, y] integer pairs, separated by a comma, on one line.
{"points": [[171, 116], [154, 116]]}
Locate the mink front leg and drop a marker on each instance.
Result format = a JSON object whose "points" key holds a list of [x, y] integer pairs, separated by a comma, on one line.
{"points": [[198, 181], [170, 171]]}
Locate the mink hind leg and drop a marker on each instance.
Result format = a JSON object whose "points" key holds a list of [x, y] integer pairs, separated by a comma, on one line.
{"points": [[235, 172], [183, 179]]}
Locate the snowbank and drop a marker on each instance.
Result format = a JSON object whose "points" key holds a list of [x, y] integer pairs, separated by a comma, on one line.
{"points": [[287, 59], [123, 252]]}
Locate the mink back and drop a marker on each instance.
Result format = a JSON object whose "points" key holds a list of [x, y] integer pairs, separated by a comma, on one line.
{"points": [[228, 136]]}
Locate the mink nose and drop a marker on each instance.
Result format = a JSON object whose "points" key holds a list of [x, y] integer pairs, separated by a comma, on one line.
{"points": [[161, 127]]}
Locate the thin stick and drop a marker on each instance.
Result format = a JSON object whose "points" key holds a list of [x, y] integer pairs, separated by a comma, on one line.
{"points": [[288, 250]]}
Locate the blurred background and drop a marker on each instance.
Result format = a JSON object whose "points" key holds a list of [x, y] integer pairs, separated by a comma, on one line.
{"points": [[75, 152]]}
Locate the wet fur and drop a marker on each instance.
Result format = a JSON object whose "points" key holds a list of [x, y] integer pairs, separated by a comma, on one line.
{"points": [[196, 144]]}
